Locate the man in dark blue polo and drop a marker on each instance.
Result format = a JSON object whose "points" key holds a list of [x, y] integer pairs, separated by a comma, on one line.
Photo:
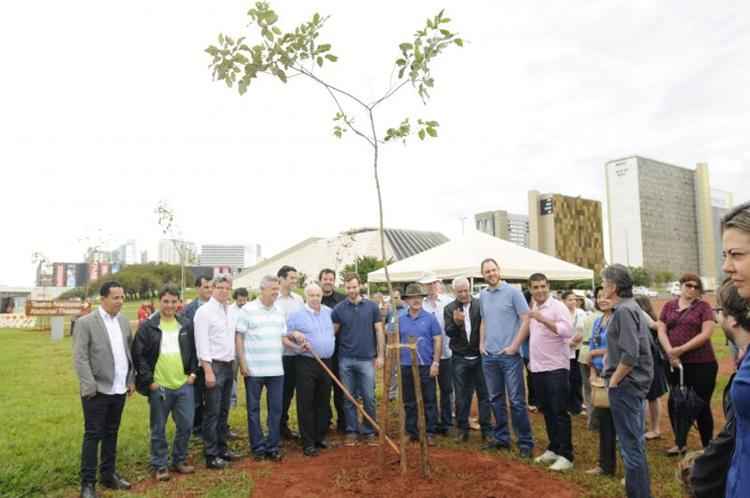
{"points": [[417, 322], [361, 350]]}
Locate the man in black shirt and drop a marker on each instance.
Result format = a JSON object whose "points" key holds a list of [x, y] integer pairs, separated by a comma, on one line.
{"points": [[331, 298]]}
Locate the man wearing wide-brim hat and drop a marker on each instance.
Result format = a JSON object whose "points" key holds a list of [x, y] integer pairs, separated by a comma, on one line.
{"points": [[417, 322], [435, 303]]}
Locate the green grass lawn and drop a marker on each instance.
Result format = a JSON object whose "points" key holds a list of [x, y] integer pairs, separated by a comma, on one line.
{"points": [[43, 426]]}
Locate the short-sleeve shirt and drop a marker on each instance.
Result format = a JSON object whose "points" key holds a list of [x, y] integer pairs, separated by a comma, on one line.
{"points": [[169, 371], [501, 309], [683, 325], [425, 328], [356, 337], [262, 329], [317, 327]]}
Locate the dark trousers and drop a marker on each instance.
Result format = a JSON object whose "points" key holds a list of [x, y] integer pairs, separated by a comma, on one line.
{"points": [[553, 393], [575, 401], [607, 440], [101, 418], [290, 380], [200, 403], [338, 398], [702, 378], [529, 384], [216, 414], [313, 399], [429, 397], [445, 384], [261, 444], [468, 378]]}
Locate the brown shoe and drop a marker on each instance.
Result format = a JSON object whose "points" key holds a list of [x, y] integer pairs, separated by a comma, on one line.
{"points": [[161, 474], [350, 440], [183, 468]]}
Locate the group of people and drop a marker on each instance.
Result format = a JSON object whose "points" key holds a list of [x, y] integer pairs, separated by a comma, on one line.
{"points": [[187, 364]]}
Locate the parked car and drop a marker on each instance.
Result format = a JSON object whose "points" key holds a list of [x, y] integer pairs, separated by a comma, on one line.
{"points": [[644, 291]]}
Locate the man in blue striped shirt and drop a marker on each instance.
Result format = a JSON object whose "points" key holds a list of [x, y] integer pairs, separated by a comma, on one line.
{"points": [[261, 335]]}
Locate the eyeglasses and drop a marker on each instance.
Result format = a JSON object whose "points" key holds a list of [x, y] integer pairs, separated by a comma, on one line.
{"points": [[692, 286]]}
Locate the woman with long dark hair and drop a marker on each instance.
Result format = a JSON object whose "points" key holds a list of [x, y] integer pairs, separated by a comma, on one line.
{"points": [[659, 384]]}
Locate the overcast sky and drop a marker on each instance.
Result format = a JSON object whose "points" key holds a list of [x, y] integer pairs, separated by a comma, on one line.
{"points": [[107, 108]]}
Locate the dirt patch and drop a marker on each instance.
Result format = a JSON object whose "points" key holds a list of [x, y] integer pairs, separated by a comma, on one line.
{"points": [[354, 472]]}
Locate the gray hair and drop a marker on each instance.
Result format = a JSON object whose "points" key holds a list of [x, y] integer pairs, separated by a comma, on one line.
{"points": [[222, 278], [268, 280], [620, 276], [312, 286], [460, 281]]}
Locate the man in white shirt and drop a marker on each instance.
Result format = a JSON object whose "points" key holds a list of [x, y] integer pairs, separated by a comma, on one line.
{"points": [[435, 303], [105, 371], [214, 343], [288, 302]]}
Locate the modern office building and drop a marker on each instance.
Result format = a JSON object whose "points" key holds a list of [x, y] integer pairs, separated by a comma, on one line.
{"points": [[235, 257], [504, 225], [569, 228], [126, 254], [664, 217], [169, 251]]}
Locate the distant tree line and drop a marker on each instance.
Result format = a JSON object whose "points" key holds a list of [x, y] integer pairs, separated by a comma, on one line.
{"points": [[138, 281]]}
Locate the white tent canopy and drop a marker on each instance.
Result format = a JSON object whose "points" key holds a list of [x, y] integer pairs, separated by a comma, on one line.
{"points": [[462, 256]]}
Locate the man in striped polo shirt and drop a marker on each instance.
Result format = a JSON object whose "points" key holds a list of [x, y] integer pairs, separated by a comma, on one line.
{"points": [[261, 337]]}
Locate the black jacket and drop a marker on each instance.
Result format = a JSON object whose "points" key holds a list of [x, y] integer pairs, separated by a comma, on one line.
{"points": [[147, 344], [709, 475], [459, 345]]}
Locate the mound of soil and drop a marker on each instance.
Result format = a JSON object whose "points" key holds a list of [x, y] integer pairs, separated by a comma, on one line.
{"points": [[355, 472]]}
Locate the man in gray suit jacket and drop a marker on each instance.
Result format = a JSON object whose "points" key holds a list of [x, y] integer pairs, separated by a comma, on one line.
{"points": [[105, 371]]}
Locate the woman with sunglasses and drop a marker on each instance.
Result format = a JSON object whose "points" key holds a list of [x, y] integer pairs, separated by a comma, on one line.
{"points": [[735, 228], [685, 327]]}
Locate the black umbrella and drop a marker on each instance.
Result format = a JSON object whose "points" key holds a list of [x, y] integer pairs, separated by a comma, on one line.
{"points": [[685, 406]]}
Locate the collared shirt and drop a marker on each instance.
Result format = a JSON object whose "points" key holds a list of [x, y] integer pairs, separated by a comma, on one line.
{"points": [[116, 341], [288, 305], [356, 337], [425, 328], [467, 326], [214, 332], [629, 342], [501, 308], [333, 299], [549, 351], [262, 328], [317, 327], [436, 308]]}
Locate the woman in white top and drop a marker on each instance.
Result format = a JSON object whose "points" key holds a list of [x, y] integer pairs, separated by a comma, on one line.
{"points": [[578, 317]]}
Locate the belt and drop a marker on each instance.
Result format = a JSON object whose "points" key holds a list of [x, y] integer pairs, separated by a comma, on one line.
{"points": [[220, 362]]}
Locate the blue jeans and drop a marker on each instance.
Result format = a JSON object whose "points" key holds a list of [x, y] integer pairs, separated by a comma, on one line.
{"points": [[505, 372], [429, 398], [181, 404], [260, 444], [358, 376], [468, 379], [626, 405]]}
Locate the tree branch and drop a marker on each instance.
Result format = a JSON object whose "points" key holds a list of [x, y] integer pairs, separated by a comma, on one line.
{"points": [[388, 94], [380, 205]]}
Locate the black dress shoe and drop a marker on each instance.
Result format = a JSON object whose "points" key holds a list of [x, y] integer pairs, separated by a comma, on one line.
{"points": [[229, 456], [88, 490], [310, 451], [115, 482], [494, 445], [287, 433], [322, 445], [217, 463], [274, 456]]}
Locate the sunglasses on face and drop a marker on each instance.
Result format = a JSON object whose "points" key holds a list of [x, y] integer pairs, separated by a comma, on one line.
{"points": [[692, 286]]}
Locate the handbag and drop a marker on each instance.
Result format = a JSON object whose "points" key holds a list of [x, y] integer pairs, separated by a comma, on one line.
{"points": [[599, 393]]}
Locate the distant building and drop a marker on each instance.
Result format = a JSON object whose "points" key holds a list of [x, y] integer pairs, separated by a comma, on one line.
{"points": [[144, 257], [315, 253], [504, 225], [236, 257], [569, 228], [169, 251], [126, 254], [665, 217]]}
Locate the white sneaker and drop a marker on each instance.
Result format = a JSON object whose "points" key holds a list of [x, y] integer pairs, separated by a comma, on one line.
{"points": [[547, 457], [561, 464]]}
